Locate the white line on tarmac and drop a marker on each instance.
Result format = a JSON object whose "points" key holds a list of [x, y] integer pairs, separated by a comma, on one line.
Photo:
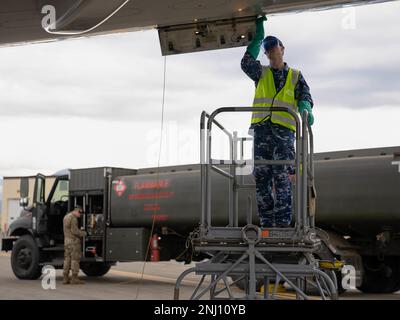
{"points": [[150, 277]]}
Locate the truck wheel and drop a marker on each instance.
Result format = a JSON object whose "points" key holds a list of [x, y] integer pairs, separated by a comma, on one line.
{"points": [[25, 259], [380, 276], [95, 269]]}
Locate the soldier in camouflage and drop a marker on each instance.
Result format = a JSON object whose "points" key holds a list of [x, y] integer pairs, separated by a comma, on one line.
{"points": [[272, 140], [72, 246]]}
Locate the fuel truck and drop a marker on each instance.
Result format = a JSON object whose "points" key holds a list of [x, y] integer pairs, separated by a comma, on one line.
{"points": [[138, 215]]}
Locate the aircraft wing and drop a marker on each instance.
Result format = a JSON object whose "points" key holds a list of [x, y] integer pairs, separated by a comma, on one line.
{"points": [[183, 25]]}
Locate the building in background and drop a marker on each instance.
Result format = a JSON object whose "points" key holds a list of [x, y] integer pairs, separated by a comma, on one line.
{"points": [[10, 209]]}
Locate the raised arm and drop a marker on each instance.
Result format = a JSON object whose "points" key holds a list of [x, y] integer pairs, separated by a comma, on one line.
{"points": [[249, 64]]}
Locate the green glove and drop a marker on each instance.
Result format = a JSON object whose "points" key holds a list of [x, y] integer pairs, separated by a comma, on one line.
{"points": [[305, 105], [254, 46]]}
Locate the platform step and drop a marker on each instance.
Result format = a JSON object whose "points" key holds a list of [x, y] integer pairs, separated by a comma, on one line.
{"points": [[260, 269], [229, 234]]}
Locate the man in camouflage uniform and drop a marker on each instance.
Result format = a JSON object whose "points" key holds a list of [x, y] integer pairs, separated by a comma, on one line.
{"points": [[274, 134], [72, 246]]}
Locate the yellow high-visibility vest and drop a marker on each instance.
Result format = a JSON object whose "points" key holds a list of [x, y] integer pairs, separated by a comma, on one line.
{"points": [[266, 96]]}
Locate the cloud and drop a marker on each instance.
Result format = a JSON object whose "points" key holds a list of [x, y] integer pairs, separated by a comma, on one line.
{"points": [[119, 77], [97, 101]]}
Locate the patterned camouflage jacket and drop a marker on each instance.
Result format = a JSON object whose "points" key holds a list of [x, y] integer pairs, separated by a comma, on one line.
{"points": [[72, 233]]}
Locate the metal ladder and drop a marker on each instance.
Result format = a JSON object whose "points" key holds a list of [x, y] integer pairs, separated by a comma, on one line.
{"points": [[249, 254]]}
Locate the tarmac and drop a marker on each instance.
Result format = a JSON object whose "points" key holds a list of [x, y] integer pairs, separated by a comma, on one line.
{"points": [[126, 281]]}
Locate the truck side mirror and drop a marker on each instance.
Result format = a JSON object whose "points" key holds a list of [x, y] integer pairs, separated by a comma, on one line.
{"points": [[24, 187], [24, 192]]}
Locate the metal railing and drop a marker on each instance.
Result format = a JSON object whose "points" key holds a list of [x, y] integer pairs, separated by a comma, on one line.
{"points": [[244, 253], [303, 162]]}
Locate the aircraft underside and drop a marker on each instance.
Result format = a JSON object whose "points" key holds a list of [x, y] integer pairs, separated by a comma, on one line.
{"points": [[183, 25]]}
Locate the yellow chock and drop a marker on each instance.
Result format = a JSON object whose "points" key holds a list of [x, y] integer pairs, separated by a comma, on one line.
{"points": [[331, 265], [280, 288]]}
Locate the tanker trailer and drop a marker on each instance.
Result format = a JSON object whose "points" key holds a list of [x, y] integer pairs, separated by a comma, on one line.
{"points": [[358, 213], [171, 197], [358, 208], [358, 204]]}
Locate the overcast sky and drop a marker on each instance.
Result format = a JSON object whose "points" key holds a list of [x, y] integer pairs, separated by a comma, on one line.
{"points": [[97, 101]]}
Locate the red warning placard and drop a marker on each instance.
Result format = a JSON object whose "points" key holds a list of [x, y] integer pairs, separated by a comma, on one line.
{"points": [[119, 187]]}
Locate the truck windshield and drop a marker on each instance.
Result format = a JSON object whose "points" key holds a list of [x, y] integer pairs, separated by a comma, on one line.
{"points": [[61, 191]]}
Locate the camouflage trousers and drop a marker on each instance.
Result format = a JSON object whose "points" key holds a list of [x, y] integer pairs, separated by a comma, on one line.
{"points": [[273, 186], [72, 257]]}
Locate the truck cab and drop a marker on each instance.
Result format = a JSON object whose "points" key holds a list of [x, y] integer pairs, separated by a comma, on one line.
{"points": [[36, 238], [38, 227]]}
